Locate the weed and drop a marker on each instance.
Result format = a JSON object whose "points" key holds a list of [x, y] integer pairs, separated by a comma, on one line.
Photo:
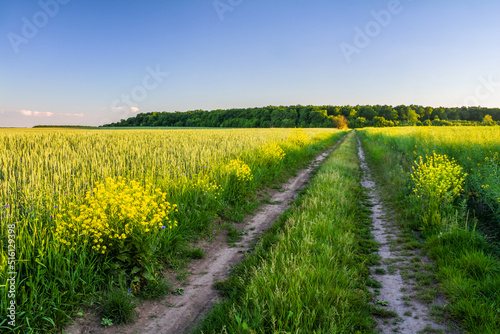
{"points": [[391, 269], [382, 312], [381, 302], [118, 306], [373, 283], [195, 253], [106, 322], [154, 289], [429, 330]]}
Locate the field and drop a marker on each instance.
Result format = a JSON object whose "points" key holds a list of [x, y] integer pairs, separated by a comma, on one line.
{"points": [[100, 217], [92, 209], [475, 149]]}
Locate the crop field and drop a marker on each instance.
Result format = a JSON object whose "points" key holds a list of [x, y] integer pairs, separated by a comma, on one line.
{"points": [[475, 149], [94, 208], [98, 220]]}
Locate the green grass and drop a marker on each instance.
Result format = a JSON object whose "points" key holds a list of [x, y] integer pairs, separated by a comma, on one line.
{"points": [[118, 306], [195, 253], [308, 273], [478, 155], [467, 266]]}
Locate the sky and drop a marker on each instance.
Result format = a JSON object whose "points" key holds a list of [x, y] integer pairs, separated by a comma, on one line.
{"points": [[76, 62]]}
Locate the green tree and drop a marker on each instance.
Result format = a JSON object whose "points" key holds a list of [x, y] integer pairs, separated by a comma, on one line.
{"points": [[412, 116], [488, 120]]}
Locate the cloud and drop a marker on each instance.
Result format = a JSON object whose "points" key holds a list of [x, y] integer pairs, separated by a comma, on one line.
{"points": [[36, 113], [48, 114], [116, 108], [72, 115], [26, 112], [134, 109]]}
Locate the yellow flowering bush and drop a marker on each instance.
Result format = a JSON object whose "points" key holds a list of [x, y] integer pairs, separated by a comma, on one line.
{"points": [[271, 153], [298, 137], [439, 178], [239, 169], [207, 187], [116, 216], [438, 181]]}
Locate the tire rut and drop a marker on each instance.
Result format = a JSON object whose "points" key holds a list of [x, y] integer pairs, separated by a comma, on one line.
{"points": [[396, 270]]}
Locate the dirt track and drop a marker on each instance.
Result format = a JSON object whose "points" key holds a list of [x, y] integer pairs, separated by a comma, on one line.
{"points": [[412, 315]]}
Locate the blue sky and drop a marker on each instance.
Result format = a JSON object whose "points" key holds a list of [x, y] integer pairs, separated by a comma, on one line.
{"points": [[92, 62]]}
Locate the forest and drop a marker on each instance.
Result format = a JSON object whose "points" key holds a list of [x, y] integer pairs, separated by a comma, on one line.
{"points": [[317, 116]]}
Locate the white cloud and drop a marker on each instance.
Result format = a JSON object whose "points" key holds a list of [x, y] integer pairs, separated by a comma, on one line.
{"points": [[48, 114], [26, 112], [116, 108], [43, 114], [36, 113], [72, 115], [134, 109]]}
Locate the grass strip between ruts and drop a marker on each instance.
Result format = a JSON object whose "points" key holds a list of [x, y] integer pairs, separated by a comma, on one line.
{"points": [[308, 272]]}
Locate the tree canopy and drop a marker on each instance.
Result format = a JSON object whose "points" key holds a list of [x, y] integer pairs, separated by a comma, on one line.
{"points": [[316, 116]]}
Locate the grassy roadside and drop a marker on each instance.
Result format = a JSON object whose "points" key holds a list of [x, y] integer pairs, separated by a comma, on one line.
{"points": [[309, 272], [467, 266]]}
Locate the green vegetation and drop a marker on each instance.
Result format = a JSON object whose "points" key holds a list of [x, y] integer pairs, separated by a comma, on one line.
{"points": [[309, 272], [66, 126], [94, 208], [118, 307], [317, 116], [99, 216], [478, 156], [467, 261]]}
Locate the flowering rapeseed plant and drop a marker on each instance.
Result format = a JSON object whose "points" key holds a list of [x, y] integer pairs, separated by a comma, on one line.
{"points": [[239, 169], [299, 137], [439, 178], [207, 187], [113, 214], [438, 181], [271, 153]]}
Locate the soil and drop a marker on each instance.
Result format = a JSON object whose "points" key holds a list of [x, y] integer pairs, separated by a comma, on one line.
{"points": [[397, 292], [179, 313]]}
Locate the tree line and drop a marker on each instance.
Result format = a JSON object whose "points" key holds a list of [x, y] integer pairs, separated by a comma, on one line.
{"points": [[316, 116]]}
